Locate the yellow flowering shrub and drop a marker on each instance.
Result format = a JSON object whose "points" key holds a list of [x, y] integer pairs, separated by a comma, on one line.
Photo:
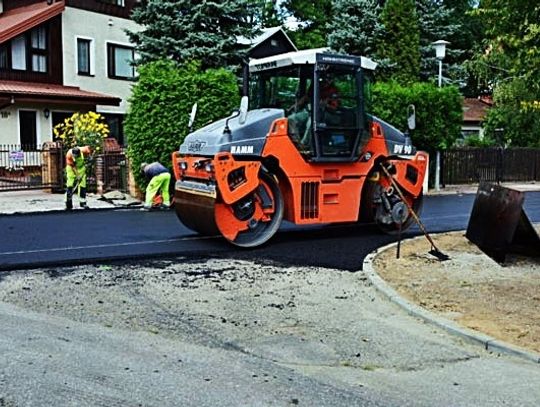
{"points": [[529, 105], [83, 129]]}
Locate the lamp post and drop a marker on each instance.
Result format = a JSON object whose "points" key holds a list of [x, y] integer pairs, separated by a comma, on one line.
{"points": [[440, 52]]}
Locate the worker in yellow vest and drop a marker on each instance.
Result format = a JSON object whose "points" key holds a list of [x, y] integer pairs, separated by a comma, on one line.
{"points": [[76, 175], [159, 179]]}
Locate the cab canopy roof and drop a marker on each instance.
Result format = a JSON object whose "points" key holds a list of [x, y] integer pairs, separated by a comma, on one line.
{"points": [[309, 57]]}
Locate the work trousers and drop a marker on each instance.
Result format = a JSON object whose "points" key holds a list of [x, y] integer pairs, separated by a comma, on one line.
{"points": [[158, 183], [81, 185]]}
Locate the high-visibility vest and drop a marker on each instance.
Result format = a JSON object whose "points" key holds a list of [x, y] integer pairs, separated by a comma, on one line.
{"points": [[78, 162]]}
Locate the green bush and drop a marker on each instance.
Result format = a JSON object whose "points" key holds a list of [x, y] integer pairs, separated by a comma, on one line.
{"points": [[160, 105], [439, 112], [514, 119], [476, 141]]}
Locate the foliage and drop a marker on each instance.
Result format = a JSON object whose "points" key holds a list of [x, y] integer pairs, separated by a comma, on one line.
{"points": [[437, 22], [355, 27], [509, 64], [161, 103], [439, 111], [467, 40], [313, 18], [400, 44], [515, 118], [265, 13], [185, 30], [512, 42], [82, 129], [476, 141]]}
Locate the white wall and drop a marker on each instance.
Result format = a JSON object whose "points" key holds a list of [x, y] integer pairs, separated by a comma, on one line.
{"points": [[9, 124], [100, 28]]}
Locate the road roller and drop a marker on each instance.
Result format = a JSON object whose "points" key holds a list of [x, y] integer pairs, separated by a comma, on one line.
{"points": [[302, 147]]}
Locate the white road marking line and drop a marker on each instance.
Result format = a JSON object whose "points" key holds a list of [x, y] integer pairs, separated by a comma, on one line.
{"points": [[61, 249]]}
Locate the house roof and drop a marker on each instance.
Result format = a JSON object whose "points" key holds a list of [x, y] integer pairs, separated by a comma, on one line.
{"points": [[475, 110], [19, 20], [14, 92], [263, 36]]}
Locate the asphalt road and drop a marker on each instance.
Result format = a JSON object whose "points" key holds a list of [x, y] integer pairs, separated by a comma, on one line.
{"points": [[212, 325], [37, 240]]}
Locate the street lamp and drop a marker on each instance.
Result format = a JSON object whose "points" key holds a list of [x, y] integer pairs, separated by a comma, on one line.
{"points": [[440, 52]]}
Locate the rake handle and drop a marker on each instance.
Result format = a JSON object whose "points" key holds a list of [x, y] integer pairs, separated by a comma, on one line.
{"points": [[409, 207]]}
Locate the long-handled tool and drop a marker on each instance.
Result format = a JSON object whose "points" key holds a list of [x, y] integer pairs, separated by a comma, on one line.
{"points": [[434, 250], [75, 189]]}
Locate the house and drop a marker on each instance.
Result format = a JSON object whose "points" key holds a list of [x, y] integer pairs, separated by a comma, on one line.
{"points": [[474, 113], [59, 57], [270, 41]]}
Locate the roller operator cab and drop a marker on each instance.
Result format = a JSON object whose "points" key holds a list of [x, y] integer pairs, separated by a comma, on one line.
{"points": [[307, 151]]}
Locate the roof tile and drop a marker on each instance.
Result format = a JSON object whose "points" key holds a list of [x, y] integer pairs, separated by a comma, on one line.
{"points": [[19, 20], [29, 89]]}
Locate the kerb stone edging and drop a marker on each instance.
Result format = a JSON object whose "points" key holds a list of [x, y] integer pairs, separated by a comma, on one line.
{"points": [[487, 342]]}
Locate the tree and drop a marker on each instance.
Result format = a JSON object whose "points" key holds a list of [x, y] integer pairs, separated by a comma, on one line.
{"points": [[468, 40], [185, 30], [515, 119], [512, 42], [510, 65], [265, 13], [355, 27], [312, 17], [400, 44], [436, 22]]}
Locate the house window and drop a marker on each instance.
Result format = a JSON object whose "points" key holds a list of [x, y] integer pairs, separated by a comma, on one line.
{"points": [[38, 49], [120, 61], [39, 38], [18, 53], [83, 56], [27, 51]]}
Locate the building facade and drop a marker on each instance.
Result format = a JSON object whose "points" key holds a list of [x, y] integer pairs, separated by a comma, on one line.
{"points": [[61, 57]]}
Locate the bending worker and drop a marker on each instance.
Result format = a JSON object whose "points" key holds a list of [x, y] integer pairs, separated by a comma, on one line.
{"points": [[76, 171], [159, 179]]}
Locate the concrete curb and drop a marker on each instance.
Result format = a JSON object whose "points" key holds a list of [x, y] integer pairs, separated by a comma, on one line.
{"points": [[487, 342]]}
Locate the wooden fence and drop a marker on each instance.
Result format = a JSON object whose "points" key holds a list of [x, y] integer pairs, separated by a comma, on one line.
{"points": [[472, 165]]}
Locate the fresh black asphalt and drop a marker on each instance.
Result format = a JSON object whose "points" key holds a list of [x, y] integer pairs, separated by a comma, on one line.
{"points": [[59, 238]]}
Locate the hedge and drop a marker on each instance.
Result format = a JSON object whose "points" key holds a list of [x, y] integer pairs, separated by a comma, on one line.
{"points": [[161, 103], [439, 112]]}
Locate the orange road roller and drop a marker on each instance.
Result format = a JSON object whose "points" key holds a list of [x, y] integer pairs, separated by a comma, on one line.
{"points": [[302, 147]]}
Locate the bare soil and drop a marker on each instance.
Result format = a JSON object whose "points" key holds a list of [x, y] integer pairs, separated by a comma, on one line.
{"points": [[502, 301]]}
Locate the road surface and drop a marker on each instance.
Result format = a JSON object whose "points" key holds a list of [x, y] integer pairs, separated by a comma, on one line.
{"points": [[282, 325], [67, 238]]}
